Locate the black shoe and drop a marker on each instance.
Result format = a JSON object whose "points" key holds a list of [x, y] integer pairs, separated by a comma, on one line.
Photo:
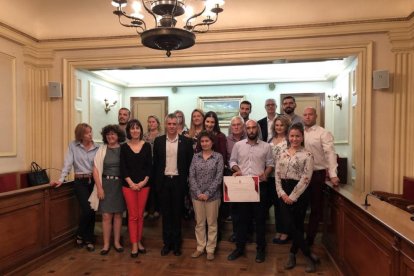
{"points": [[280, 241], [260, 256], [142, 251], [119, 249], [232, 238], [291, 263], [165, 250], [134, 255], [177, 251], [315, 258], [310, 265], [235, 254], [90, 247], [79, 242], [105, 251]]}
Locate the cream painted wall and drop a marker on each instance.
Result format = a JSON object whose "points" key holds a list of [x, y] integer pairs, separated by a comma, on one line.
{"points": [[16, 162]]}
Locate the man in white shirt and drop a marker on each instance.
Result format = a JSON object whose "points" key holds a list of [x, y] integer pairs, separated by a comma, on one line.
{"points": [[172, 158], [320, 143]]}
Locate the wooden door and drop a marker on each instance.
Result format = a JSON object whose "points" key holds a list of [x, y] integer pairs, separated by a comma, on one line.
{"points": [[142, 107]]}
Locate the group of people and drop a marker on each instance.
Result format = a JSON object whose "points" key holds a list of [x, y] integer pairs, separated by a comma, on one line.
{"points": [[290, 154]]}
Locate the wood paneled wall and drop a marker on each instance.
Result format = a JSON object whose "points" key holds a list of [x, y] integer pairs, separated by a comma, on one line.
{"points": [[362, 243], [34, 221]]}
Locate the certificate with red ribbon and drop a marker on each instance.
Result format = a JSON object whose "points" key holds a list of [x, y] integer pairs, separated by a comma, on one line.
{"points": [[241, 189]]}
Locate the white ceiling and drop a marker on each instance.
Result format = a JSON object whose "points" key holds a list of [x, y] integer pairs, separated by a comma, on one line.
{"points": [[58, 19], [219, 75]]}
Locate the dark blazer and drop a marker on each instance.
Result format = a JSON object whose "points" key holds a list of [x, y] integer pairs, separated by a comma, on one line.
{"points": [[184, 156], [263, 127]]}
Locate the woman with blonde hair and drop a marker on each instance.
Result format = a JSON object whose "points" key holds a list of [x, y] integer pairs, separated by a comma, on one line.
{"points": [[80, 156], [280, 127], [196, 125]]}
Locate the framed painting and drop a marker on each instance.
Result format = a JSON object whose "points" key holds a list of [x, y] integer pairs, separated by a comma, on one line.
{"points": [[226, 107]]}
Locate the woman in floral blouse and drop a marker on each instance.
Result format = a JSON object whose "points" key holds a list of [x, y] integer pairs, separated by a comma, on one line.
{"points": [[206, 175], [293, 173]]}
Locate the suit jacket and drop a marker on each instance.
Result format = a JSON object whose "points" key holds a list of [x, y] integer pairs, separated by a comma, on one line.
{"points": [[263, 127], [184, 157]]}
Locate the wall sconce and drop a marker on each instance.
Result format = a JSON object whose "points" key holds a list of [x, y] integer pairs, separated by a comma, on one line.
{"points": [[108, 105], [337, 99]]}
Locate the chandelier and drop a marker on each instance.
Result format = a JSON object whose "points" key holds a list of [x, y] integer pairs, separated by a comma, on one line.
{"points": [[165, 35]]}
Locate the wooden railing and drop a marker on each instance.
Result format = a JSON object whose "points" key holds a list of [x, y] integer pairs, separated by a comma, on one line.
{"points": [[367, 240], [35, 222]]}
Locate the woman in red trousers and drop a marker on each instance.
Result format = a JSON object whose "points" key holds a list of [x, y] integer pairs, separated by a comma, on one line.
{"points": [[136, 167]]}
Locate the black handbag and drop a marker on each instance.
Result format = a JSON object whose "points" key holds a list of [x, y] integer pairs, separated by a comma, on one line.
{"points": [[37, 175]]}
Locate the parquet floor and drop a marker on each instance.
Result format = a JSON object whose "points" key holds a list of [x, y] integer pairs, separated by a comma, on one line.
{"points": [[80, 262]]}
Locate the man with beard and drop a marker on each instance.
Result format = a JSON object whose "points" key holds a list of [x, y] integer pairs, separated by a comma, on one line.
{"points": [[123, 117], [245, 109], [320, 143], [289, 106], [251, 157]]}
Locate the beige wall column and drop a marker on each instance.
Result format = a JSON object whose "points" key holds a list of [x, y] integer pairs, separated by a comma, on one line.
{"points": [[403, 89], [37, 70]]}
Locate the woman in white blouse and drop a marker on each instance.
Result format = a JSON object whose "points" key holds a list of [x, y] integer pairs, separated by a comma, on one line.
{"points": [[293, 173]]}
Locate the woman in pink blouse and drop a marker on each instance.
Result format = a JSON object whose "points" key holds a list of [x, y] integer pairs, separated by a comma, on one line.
{"points": [[293, 173]]}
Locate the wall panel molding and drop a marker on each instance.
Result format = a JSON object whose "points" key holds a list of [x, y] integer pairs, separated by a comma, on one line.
{"points": [[8, 105], [38, 116]]}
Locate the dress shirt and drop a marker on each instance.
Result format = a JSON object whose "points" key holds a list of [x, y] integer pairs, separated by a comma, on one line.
{"points": [[171, 156], [206, 176], [298, 167], [80, 158], [269, 129], [230, 144], [320, 143], [251, 159]]}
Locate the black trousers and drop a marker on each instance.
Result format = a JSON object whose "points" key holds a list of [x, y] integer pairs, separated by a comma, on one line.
{"points": [[293, 217], [171, 200], [246, 212], [316, 203], [83, 189]]}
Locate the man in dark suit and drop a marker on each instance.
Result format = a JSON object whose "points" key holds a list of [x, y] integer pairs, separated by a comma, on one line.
{"points": [[266, 123], [172, 158]]}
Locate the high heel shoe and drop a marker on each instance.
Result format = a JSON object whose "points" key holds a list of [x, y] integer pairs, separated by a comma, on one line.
{"points": [[134, 255], [142, 251]]}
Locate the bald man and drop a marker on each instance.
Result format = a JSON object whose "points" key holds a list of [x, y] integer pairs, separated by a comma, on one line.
{"points": [[320, 143]]}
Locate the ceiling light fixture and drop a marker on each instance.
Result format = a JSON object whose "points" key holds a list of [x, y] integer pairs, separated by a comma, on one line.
{"points": [[165, 35]]}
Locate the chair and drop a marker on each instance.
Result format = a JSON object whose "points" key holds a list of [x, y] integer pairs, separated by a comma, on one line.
{"points": [[404, 201]]}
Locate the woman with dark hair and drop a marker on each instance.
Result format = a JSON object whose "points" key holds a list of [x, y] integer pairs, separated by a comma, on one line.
{"points": [[293, 173], [80, 155], [280, 127], [136, 168], [206, 176], [154, 130], [211, 124], [106, 173]]}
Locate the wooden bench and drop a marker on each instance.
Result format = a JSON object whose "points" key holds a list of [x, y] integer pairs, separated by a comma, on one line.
{"points": [[13, 181]]}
